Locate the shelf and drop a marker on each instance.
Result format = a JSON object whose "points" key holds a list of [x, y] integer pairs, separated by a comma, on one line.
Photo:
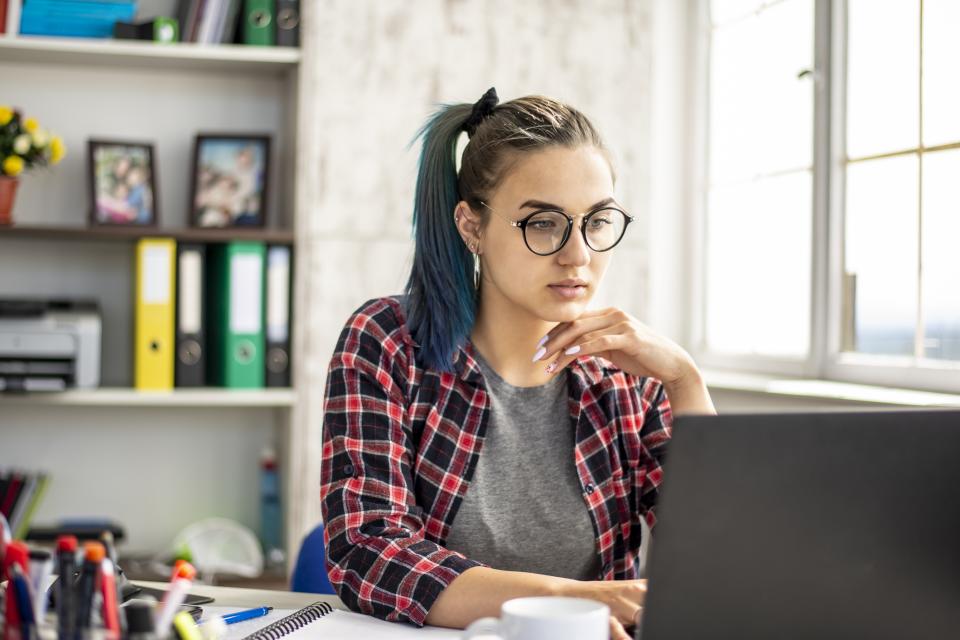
{"points": [[135, 54], [129, 234], [124, 397]]}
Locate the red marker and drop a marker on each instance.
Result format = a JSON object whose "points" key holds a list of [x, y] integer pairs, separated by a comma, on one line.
{"points": [[16, 553], [108, 588]]}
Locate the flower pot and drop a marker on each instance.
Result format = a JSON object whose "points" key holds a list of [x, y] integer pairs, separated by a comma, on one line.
{"points": [[8, 191]]}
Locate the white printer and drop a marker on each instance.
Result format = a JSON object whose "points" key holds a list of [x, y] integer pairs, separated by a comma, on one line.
{"points": [[49, 345]]}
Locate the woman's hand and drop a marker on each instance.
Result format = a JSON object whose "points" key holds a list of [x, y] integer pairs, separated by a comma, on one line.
{"points": [[624, 597], [633, 347]]}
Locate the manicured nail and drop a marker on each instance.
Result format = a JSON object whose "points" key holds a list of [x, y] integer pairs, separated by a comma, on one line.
{"points": [[543, 340], [551, 367], [539, 354], [572, 350]]}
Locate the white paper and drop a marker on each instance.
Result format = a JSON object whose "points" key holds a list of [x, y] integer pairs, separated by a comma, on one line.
{"points": [[278, 294], [155, 276], [190, 291], [246, 292]]}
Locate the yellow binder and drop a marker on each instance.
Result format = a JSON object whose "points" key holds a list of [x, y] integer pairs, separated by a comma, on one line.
{"points": [[154, 319]]}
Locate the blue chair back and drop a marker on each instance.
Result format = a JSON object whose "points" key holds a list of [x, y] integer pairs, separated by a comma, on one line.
{"points": [[310, 572]]}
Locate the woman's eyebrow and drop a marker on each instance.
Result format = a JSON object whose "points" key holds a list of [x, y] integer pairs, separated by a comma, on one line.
{"points": [[540, 204]]}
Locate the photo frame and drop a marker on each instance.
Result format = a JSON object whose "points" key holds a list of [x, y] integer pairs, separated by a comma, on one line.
{"points": [[230, 180], [123, 183]]}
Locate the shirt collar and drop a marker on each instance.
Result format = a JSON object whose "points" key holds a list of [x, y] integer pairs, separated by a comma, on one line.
{"points": [[587, 370]]}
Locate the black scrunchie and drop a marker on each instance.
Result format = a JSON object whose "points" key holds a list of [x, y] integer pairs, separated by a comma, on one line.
{"points": [[481, 109]]}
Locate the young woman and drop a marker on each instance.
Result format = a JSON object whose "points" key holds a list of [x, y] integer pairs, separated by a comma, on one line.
{"points": [[486, 436]]}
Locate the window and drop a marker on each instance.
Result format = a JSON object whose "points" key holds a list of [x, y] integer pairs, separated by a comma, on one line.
{"points": [[841, 117]]}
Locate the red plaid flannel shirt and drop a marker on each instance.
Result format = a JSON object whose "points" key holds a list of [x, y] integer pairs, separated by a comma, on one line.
{"points": [[400, 443]]}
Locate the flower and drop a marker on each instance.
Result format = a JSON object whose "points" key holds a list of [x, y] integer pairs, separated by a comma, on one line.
{"points": [[13, 165], [21, 144], [31, 125], [40, 138], [57, 149], [6, 115]]}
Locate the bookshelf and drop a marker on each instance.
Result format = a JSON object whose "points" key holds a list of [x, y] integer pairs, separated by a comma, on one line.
{"points": [[164, 94]]}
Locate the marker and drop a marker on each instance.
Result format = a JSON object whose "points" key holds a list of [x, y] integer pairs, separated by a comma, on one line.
{"points": [[20, 584], [181, 582], [41, 568], [185, 627], [17, 554], [108, 587], [240, 616], [66, 598], [93, 555], [139, 615]]}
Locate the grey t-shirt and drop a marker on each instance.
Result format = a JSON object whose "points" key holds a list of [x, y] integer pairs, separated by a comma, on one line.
{"points": [[524, 509]]}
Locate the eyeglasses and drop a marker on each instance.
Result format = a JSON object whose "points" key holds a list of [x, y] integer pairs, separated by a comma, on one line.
{"points": [[546, 231]]}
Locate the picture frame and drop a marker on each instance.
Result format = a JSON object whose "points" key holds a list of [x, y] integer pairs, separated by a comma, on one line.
{"points": [[230, 180], [122, 177]]}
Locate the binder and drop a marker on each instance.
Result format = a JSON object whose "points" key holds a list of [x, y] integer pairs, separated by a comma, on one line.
{"points": [[235, 336], [258, 18], [288, 23], [190, 365], [154, 319], [278, 317]]}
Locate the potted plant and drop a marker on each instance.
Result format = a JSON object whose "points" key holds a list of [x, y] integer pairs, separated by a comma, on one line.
{"points": [[23, 146]]}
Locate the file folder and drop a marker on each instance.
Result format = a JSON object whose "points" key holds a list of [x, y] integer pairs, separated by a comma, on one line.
{"points": [[154, 319], [190, 363], [235, 336], [278, 316], [258, 22], [288, 23]]}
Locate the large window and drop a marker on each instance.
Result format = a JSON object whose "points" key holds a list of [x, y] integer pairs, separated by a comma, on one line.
{"points": [[842, 117]]}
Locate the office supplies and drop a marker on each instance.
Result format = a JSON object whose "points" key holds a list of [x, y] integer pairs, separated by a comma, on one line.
{"points": [[65, 598], [14, 12], [159, 29], [139, 615], [258, 27], [108, 591], [17, 554], [5, 537], [190, 322], [824, 525], [278, 316], [235, 337], [215, 628], [176, 592], [49, 344], [185, 627], [288, 23], [240, 616], [19, 584], [38, 489], [93, 555], [83, 528], [41, 568], [74, 19], [154, 336]]}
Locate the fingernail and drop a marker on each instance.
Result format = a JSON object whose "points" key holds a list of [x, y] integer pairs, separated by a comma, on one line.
{"points": [[543, 340], [551, 367], [572, 350], [539, 354]]}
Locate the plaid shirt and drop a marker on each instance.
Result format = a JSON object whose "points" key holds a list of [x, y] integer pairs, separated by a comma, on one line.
{"points": [[401, 442]]}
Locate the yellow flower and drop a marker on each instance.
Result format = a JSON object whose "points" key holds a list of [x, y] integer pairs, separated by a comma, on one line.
{"points": [[13, 165], [31, 125], [57, 150], [6, 115]]}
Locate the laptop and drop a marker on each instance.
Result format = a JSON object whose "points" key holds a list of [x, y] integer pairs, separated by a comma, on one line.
{"points": [[826, 525]]}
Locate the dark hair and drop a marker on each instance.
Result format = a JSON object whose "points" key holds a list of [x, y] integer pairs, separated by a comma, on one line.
{"points": [[441, 300]]}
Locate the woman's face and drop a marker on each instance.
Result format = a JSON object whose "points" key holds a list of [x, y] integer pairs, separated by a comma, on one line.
{"points": [[557, 287]]}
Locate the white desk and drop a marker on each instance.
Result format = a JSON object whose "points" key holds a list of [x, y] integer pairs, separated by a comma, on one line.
{"points": [[250, 598]]}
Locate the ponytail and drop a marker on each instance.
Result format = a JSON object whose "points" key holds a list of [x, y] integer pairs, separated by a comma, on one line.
{"points": [[441, 301]]}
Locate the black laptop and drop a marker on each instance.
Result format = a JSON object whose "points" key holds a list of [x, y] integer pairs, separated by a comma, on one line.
{"points": [[812, 526]]}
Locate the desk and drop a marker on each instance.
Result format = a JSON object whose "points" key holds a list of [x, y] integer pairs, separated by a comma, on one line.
{"points": [[249, 598]]}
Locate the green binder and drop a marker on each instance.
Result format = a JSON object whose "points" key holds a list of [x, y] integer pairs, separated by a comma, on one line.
{"points": [[235, 288], [258, 22]]}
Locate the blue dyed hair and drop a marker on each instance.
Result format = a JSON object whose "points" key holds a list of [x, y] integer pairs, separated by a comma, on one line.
{"points": [[441, 301]]}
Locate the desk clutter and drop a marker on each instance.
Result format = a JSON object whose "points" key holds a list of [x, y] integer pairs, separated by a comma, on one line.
{"points": [[20, 494]]}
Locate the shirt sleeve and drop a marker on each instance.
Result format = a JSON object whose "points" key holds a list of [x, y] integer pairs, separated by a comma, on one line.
{"points": [[378, 558], [654, 437]]}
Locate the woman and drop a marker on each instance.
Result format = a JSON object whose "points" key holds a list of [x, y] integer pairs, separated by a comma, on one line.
{"points": [[486, 436]]}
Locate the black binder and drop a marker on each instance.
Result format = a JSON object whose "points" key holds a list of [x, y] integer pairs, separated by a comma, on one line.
{"points": [[190, 366], [288, 23], [279, 268]]}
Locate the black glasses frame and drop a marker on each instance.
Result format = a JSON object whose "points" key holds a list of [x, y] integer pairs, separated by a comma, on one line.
{"points": [[522, 225]]}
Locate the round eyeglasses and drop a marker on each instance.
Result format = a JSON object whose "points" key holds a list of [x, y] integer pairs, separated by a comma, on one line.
{"points": [[546, 231]]}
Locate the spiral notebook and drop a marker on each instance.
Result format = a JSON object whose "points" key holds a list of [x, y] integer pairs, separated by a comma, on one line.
{"points": [[321, 621]]}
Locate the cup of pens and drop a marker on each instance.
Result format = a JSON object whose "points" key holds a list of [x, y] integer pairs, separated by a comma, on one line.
{"points": [[86, 596]]}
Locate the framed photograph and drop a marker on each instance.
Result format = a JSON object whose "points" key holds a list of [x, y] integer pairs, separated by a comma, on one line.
{"points": [[230, 180], [123, 183]]}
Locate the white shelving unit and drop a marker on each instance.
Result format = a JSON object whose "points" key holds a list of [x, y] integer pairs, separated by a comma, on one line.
{"points": [[164, 94]]}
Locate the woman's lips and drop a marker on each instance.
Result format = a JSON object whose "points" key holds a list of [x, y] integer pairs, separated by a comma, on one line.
{"points": [[569, 292]]}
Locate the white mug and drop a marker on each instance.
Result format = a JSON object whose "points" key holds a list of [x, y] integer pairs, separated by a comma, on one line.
{"points": [[546, 618]]}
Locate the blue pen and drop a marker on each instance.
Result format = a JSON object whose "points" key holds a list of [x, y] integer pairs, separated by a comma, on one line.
{"points": [[24, 599], [240, 616]]}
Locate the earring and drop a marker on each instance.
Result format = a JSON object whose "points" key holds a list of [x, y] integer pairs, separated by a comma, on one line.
{"points": [[476, 266]]}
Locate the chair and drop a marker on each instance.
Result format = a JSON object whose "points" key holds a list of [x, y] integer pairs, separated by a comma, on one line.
{"points": [[310, 572]]}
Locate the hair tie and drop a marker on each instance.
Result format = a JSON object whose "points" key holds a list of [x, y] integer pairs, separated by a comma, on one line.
{"points": [[481, 109]]}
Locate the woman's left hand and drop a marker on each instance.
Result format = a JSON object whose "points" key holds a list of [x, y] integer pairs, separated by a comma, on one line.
{"points": [[623, 340]]}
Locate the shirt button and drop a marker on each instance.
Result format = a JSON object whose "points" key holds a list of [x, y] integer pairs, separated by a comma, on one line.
{"points": [[589, 488], [348, 469]]}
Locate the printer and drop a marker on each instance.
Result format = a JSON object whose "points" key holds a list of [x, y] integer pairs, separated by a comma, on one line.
{"points": [[49, 345]]}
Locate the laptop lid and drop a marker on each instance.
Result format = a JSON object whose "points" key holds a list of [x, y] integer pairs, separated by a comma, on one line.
{"points": [[836, 525]]}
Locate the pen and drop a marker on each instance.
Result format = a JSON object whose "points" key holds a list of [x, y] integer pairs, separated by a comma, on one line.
{"points": [[173, 598], [41, 568], [108, 587], [20, 584], [16, 555], [66, 602], [240, 616], [93, 553]]}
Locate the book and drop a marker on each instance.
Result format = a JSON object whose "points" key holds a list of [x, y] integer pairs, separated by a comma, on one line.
{"points": [[321, 620]]}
